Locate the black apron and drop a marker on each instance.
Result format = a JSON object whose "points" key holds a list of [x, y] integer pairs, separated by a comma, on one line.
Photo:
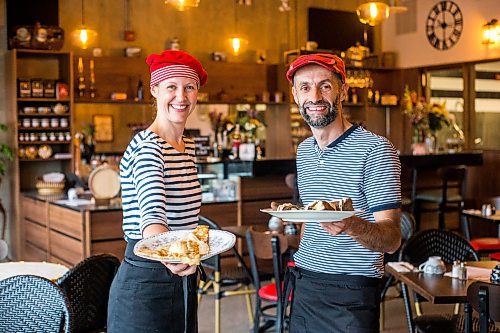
{"points": [[146, 297]]}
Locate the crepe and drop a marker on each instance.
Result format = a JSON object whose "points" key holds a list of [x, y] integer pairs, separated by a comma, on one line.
{"points": [[188, 250], [337, 205]]}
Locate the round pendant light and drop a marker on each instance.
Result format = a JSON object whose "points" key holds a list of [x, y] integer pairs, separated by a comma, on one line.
{"points": [[372, 12]]}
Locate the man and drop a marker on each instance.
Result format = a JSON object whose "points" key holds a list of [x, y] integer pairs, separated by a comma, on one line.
{"points": [[339, 264]]}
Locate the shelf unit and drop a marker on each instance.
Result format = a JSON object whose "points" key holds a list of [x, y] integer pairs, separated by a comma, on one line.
{"points": [[34, 117]]}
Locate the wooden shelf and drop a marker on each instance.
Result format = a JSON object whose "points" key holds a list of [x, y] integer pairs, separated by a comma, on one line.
{"points": [[37, 129], [44, 160], [42, 99], [42, 115], [30, 143]]}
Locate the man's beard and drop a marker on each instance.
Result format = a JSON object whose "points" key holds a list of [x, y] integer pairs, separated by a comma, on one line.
{"points": [[323, 120]]}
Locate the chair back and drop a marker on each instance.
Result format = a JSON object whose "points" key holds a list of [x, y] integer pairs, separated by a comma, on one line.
{"points": [[453, 177], [484, 298], [31, 303], [437, 242], [260, 250], [87, 288], [212, 262]]}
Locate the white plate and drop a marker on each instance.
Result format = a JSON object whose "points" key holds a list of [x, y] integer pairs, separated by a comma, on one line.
{"points": [[218, 240], [310, 215]]}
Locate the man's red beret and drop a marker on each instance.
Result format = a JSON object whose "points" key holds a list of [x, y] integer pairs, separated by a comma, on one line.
{"points": [[173, 63], [328, 61]]}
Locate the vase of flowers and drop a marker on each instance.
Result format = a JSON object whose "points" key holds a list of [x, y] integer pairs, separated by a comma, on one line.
{"points": [[426, 119]]}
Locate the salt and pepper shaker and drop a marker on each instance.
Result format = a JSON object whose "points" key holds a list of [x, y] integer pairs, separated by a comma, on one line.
{"points": [[486, 210], [462, 272], [455, 271]]}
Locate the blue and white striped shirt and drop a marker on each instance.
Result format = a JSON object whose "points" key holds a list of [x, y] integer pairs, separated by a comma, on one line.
{"points": [[159, 185], [358, 165]]}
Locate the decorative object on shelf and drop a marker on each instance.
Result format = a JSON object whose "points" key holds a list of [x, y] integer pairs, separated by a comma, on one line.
{"points": [[36, 88], [92, 87], [24, 87], [49, 89], [175, 44], [62, 90], [491, 33], [104, 183], [83, 36], [426, 119], [31, 152], [60, 108], [80, 86], [46, 188], [372, 12], [218, 56], [40, 37], [182, 5], [284, 6], [355, 55], [133, 52], [103, 125], [87, 142], [444, 25], [359, 78], [44, 152], [139, 95]]}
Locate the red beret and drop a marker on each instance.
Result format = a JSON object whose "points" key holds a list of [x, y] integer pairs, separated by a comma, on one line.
{"points": [[173, 63], [328, 61]]}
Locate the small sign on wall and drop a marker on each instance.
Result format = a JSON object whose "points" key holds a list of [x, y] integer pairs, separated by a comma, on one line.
{"points": [[103, 128]]}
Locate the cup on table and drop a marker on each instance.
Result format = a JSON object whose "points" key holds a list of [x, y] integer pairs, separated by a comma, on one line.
{"points": [[433, 265]]}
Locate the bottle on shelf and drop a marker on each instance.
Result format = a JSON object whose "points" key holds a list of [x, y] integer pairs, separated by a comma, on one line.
{"points": [[236, 142], [354, 96], [140, 91], [92, 87], [81, 78]]}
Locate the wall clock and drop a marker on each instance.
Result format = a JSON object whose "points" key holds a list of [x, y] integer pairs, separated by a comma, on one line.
{"points": [[444, 25]]}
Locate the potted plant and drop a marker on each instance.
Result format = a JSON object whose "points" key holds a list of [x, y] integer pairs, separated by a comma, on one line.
{"points": [[6, 153]]}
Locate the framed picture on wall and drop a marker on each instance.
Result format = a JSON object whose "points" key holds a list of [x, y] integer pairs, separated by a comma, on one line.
{"points": [[103, 127]]}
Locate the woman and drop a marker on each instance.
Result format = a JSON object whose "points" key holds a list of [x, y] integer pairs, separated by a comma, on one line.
{"points": [[160, 192]]}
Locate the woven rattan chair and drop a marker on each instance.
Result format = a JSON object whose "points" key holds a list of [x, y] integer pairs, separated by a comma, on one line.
{"points": [[484, 298], [31, 303], [434, 242], [87, 288], [226, 277]]}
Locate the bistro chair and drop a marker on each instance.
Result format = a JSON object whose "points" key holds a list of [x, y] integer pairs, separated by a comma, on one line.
{"points": [[450, 197], [265, 247], [407, 223], [483, 245], [433, 242], [483, 298], [228, 276], [87, 287], [31, 303]]}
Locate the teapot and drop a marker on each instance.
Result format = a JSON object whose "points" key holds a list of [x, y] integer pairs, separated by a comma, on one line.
{"points": [[60, 108], [433, 265]]}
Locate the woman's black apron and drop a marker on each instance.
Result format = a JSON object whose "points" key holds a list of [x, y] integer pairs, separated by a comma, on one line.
{"points": [[146, 297]]}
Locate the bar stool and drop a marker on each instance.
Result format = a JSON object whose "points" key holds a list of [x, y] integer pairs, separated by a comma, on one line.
{"points": [[450, 197]]}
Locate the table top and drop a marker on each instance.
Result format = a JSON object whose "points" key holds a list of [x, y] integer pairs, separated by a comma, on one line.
{"points": [[439, 289], [44, 269], [477, 213], [473, 157]]}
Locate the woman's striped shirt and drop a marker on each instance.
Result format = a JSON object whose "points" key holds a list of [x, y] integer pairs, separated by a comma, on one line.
{"points": [[358, 165], [159, 185]]}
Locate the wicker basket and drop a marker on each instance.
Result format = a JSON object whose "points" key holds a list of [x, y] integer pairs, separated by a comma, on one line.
{"points": [[45, 188]]}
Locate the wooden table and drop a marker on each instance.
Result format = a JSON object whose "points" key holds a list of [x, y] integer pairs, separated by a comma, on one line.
{"points": [[476, 214], [47, 270], [434, 288]]}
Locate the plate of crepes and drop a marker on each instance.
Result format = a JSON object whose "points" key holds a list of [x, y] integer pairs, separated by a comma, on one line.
{"points": [[185, 246], [316, 211]]}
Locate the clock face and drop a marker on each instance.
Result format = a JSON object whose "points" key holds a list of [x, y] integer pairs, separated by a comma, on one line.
{"points": [[444, 25]]}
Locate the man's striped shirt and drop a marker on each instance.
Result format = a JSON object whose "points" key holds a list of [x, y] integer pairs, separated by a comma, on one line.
{"points": [[159, 185], [358, 165]]}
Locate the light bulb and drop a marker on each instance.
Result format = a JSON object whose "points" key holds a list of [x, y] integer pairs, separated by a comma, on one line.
{"points": [[236, 43], [83, 37]]}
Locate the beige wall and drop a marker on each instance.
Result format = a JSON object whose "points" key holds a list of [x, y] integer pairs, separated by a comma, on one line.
{"points": [[414, 50]]}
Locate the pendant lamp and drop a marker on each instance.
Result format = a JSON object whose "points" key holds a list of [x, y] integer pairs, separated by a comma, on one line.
{"points": [[182, 5], [83, 36], [237, 42], [372, 12]]}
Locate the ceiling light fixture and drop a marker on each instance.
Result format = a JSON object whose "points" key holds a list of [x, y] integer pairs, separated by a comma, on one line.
{"points": [[237, 41], [372, 12], [182, 5], [83, 36]]}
